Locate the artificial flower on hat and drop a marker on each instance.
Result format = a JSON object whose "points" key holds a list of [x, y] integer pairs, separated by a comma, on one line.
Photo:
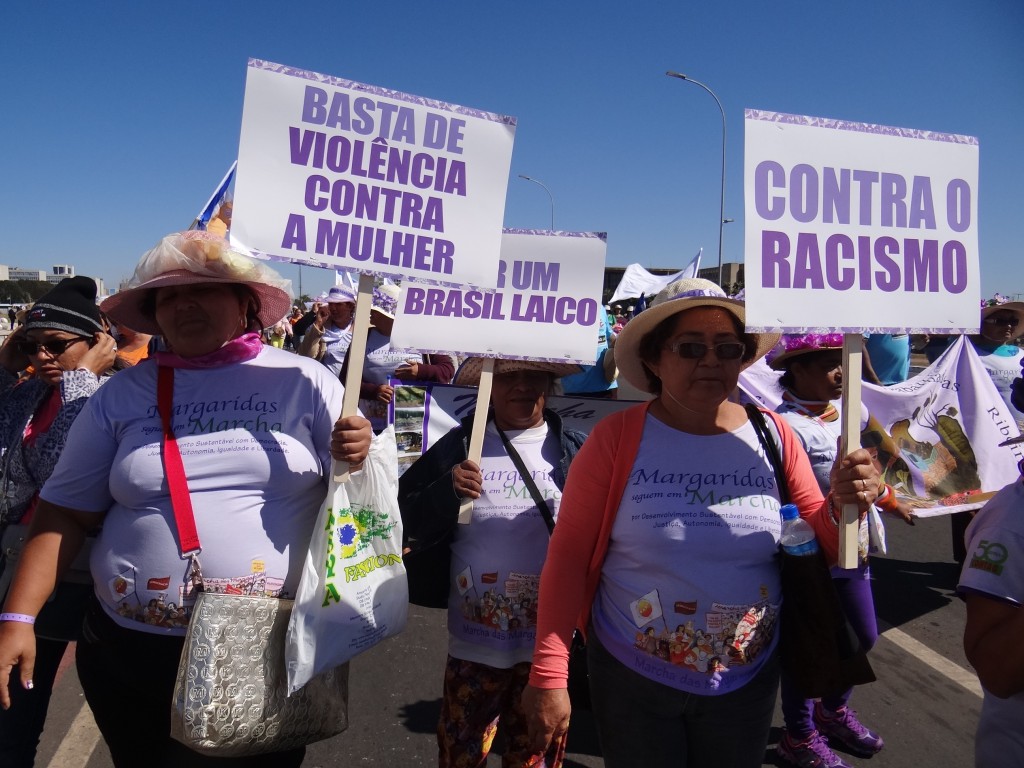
{"points": [[793, 345]]}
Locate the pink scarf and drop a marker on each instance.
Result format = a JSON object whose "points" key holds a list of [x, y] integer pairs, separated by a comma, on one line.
{"points": [[238, 350]]}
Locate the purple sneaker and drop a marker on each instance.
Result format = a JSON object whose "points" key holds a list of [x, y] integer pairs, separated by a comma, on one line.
{"points": [[812, 752], [843, 728]]}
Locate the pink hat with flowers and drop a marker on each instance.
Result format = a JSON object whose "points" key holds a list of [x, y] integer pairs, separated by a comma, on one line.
{"points": [[793, 345]]}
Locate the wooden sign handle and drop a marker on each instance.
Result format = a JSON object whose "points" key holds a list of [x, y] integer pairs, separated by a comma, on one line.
{"points": [[356, 358], [849, 526], [476, 439]]}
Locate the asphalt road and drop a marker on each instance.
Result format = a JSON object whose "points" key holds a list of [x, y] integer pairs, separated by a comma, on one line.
{"points": [[925, 702]]}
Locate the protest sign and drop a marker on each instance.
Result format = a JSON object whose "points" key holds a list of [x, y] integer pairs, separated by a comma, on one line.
{"points": [[852, 227], [547, 306], [339, 174], [936, 436], [856, 227]]}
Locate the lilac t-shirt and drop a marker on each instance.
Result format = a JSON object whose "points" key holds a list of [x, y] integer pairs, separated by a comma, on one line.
{"points": [[254, 438], [497, 558], [690, 588]]}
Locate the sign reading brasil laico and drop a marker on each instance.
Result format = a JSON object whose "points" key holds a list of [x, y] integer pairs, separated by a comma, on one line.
{"points": [[547, 305], [339, 174], [854, 227]]}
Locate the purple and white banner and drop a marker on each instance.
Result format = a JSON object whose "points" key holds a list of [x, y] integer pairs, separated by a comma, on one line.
{"points": [[339, 174], [424, 413], [936, 436], [853, 227], [547, 306]]}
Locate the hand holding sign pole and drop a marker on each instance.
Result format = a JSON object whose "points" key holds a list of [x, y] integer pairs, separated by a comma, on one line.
{"points": [[476, 439]]}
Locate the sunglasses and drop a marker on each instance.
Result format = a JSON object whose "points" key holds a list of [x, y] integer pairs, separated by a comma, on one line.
{"points": [[695, 350], [1010, 321], [53, 348]]}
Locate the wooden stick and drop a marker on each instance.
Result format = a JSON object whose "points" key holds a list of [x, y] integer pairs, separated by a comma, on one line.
{"points": [[356, 358], [476, 439], [849, 532]]}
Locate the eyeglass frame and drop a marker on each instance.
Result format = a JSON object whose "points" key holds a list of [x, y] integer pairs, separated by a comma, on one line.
{"points": [[677, 346], [23, 344], [1012, 321]]}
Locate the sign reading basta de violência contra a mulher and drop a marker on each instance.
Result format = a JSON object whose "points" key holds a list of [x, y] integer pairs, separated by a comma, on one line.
{"points": [[852, 227], [339, 174]]}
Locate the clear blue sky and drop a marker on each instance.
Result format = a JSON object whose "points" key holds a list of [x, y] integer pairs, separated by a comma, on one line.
{"points": [[117, 119]]}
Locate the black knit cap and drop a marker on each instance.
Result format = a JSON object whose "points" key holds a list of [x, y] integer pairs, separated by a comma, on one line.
{"points": [[71, 307]]}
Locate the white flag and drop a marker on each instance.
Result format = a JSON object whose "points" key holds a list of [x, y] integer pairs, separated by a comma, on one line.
{"points": [[636, 280]]}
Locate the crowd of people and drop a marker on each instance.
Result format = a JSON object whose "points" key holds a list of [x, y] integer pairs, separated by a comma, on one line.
{"points": [[673, 500]]}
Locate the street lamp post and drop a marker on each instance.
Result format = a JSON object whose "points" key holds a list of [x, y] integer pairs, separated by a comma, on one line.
{"points": [[721, 208], [550, 196]]}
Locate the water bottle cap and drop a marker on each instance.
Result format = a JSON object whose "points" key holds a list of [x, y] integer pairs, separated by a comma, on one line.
{"points": [[789, 512]]}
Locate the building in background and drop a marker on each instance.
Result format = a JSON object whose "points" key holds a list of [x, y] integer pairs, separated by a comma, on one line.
{"points": [[732, 275]]}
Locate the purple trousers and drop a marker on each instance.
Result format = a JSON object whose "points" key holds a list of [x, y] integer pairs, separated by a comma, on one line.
{"points": [[859, 607]]}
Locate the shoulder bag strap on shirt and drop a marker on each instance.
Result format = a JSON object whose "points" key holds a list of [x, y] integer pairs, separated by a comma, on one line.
{"points": [[771, 449], [181, 501], [545, 510]]}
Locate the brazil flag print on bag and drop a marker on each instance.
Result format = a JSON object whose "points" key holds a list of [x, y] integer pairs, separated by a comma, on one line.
{"points": [[353, 592]]}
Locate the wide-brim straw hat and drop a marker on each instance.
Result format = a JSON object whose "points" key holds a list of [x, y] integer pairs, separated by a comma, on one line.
{"points": [[676, 297], [795, 345], [197, 256], [468, 374]]}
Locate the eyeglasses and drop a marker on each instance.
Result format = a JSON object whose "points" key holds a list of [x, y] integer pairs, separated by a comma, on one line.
{"points": [[1010, 321], [53, 348], [695, 350]]}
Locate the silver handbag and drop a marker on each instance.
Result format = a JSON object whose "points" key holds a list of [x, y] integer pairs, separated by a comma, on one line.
{"points": [[230, 698]]}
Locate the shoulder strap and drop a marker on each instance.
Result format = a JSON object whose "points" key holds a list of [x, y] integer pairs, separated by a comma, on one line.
{"points": [[771, 449], [181, 501], [545, 510]]}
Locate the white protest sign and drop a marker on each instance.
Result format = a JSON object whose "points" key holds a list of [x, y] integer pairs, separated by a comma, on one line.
{"points": [[853, 227], [547, 306], [339, 174]]}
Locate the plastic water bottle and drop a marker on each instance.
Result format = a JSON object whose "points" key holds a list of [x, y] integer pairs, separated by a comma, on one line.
{"points": [[797, 534]]}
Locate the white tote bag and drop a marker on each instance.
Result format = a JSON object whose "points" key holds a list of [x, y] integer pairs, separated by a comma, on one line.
{"points": [[353, 592]]}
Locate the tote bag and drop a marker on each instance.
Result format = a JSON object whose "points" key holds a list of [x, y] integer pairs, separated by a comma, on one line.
{"points": [[353, 591]]}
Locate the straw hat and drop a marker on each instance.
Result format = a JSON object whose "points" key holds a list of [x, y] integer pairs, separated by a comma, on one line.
{"points": [[468, 374], [997, 303], [688, 293], [794, 345], [196, 256]]}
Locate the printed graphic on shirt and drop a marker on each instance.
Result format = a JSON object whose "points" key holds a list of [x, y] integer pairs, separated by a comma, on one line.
{"points": [[158, 609], [989, 556], [732, 634], [513, 609]]}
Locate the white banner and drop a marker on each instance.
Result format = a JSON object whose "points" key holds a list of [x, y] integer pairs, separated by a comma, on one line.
{"points": [[339, 174], [936, 435], [637, 281], [547, 306], [853, 227]]}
